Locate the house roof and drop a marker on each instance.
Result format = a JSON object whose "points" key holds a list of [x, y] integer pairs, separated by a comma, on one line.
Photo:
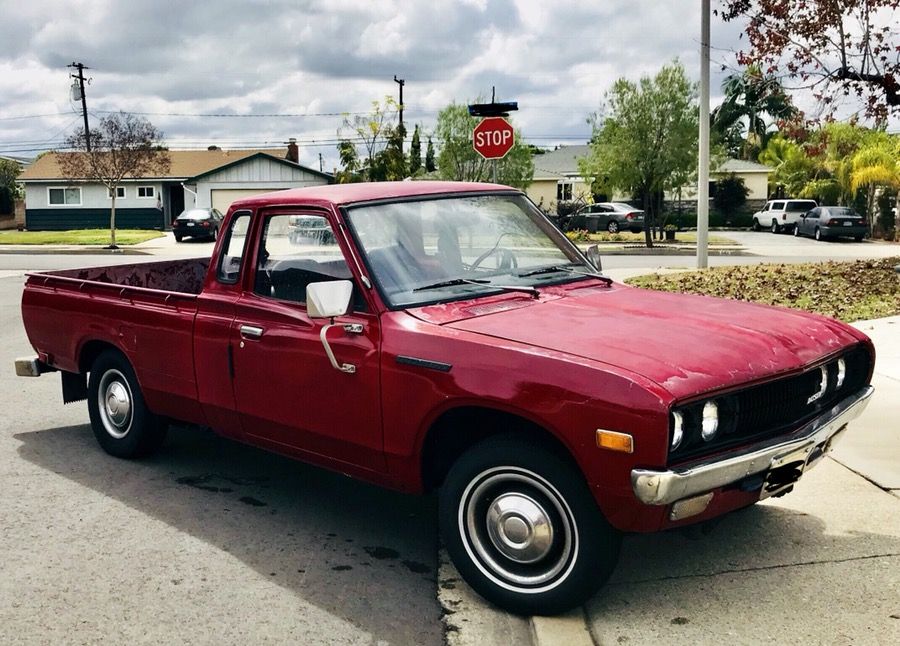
{"points": [[563, 162], [183, 163], [741, 166], [264, 155], [559, 163]]}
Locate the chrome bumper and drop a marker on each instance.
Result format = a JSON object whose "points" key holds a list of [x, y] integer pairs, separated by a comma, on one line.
{"points": [[666, 487], [31, 367]]}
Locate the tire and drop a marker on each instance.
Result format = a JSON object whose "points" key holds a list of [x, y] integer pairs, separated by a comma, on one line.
{"points": [[797, 231], [756, 226], [528, 486], [775, 227], [177, 238], [121, 422], [214, 235], [818, 235], [613, 226]]}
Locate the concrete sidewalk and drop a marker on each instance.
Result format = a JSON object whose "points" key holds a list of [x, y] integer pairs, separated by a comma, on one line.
{"points": [[816, 566]]}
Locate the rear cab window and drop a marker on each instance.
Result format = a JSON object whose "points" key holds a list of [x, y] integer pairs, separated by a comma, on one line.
{"points": [[777, 206], [800, 205]]}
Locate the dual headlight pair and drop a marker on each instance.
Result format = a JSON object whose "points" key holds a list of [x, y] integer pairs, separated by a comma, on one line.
{"points": [[709, 424]]}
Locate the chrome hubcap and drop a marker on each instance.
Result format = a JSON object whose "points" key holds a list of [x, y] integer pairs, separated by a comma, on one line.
{"points": [[519, 528], [115, 404]]}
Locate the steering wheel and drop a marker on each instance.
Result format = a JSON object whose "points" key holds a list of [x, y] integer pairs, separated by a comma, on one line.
{"points": [[505, 258]]}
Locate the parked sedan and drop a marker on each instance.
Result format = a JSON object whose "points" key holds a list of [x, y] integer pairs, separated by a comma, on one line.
{"points": [[197, 223], [825, 222], [613, 217]]}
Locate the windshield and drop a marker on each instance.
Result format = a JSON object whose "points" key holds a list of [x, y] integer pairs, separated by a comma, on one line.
{"points": [[436, 249]]}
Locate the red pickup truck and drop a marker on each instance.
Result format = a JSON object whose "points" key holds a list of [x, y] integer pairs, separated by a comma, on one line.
{"points": [[432, 335]]}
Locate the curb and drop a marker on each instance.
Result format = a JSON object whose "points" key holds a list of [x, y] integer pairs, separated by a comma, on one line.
{"points": [[468, 620]]}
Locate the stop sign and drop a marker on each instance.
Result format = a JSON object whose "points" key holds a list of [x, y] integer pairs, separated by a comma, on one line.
{"points": [[493, 137]]}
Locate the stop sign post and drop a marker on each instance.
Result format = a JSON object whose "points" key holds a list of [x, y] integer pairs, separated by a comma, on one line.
{"points": [[493, 138]]}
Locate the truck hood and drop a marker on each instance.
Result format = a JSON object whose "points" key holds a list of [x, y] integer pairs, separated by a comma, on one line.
{"points": [[687, 344]]}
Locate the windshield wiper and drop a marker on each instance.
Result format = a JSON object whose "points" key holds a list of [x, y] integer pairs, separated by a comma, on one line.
{"points": [[451, 283], [480, 282], [566, 268], [543, 270]]}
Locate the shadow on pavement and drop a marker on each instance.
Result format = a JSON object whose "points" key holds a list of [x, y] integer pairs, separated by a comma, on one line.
{"points": [[359, 552]]}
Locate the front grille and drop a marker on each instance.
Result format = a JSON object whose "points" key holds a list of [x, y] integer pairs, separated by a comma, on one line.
{"points": [[771, 409]]}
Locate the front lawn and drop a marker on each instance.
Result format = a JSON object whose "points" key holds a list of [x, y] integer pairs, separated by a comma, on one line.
{"points": [[849, 291], [78, 237]]}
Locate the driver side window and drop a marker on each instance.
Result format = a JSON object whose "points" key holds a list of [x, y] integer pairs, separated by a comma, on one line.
{"points": [[295, 251]]}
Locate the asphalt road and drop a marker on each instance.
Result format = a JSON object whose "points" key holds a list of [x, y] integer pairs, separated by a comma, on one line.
{"points": [[208, 542]]}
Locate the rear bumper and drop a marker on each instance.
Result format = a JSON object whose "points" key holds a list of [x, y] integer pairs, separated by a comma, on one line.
{"points": [[844, 231], [666, 487], [31, 367]]}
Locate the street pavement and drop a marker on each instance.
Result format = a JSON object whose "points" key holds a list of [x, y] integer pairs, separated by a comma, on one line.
{"points": [[212, 542]]}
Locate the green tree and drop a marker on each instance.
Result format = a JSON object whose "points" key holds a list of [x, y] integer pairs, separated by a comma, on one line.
{"points": [[753, 103], [415, 153], [122, 145], [457, 159], [646, 139], [9, 171], [792, 168], [381, 141], [731, 194], [875, 166], [430, 165]]}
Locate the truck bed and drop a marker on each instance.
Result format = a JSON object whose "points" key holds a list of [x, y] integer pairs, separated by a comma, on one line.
{"points": [[146, 310]]}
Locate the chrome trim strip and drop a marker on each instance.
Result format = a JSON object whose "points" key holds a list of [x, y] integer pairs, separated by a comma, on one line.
{"points": [[423, 363], [665, 487]]}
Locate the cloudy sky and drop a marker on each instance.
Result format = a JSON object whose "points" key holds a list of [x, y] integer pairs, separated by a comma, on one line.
{"points": [[302, 63]]}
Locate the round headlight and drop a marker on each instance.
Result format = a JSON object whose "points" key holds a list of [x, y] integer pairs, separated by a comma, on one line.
{"points": [[710, 421], [677, 429], [841, 372]]}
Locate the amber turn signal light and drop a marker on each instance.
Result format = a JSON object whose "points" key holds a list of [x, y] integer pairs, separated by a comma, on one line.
{"points": [[614, 441]]}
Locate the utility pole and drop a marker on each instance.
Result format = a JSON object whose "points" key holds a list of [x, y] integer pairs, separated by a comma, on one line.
{"points": [[80, 77], [401, 83], [321, 164], [703, 165]]}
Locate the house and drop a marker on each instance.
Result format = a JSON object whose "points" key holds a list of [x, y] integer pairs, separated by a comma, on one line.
{"points": [[201, 178], [557, 179]]}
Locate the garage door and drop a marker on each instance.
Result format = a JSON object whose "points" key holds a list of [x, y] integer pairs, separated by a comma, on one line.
{"points": [[223, 197]]}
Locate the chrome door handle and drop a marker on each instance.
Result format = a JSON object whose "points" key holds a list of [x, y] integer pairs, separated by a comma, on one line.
{"points": [[251, 331]]}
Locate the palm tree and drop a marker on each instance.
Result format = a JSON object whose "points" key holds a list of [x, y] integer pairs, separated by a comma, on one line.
{"points": [[750, 97], [875, 166]]}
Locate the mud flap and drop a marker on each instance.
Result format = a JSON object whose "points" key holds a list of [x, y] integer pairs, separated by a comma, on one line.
{"points": [[74, 387]]}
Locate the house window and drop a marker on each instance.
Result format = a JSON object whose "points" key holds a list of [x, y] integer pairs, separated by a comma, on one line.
{"points": [[564, 191], [146, 191], [64, 196], [120, 193]]}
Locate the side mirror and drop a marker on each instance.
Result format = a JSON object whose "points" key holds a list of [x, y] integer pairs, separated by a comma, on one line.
{"points": [[329, 299], [593, 256]]}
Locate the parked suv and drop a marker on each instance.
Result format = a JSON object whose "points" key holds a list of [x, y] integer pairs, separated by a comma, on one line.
{"points": [[781, 215]]}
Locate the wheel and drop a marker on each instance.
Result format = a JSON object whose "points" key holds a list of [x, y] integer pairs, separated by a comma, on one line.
{"points": [[177, 238], [613, 226], [756, 226], [818, 234], [523, 529], [797, 231], [775, 227], [214, 235], [122, 424]]}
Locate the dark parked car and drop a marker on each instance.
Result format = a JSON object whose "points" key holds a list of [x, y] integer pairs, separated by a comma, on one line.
{"points": [[832, 222], [613, 217], [197, 223]]}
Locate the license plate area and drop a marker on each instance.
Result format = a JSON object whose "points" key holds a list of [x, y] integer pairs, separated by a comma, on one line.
{"points": [[848, 224], [783, 472]]}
